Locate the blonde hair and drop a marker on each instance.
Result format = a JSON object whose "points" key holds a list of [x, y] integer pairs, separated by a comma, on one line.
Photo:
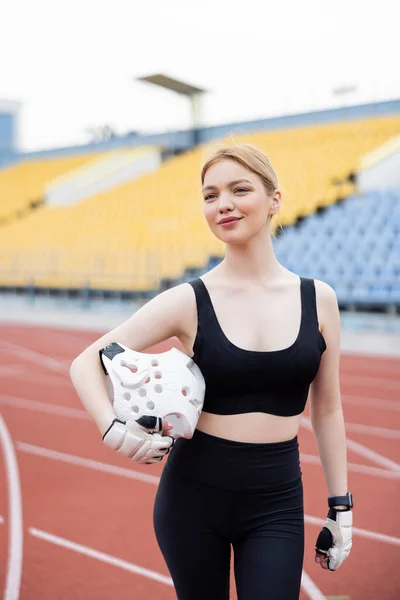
{"points": [[250, 157]]}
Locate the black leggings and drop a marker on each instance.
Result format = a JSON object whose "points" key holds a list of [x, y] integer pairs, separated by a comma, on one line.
{"points": [[215, 494]]}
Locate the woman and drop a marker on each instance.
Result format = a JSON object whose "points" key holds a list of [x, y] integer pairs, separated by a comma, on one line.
{"points": [[262, 337]]}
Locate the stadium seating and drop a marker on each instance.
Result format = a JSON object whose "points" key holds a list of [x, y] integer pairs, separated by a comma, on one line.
{"points": [[354, 246], [23, 183], [152, 228]]}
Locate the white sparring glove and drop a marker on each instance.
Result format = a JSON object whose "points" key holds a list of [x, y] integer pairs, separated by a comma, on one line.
{"points": [[140, 440], [335, 539]]}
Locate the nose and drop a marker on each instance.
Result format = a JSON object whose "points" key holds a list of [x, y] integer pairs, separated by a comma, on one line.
{"points": [[225, 202]]}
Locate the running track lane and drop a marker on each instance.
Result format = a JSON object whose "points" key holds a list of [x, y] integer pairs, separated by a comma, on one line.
{"points": [[66, 514]]}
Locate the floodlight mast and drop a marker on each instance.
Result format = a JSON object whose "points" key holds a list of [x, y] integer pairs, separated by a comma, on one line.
{"points": [[193, 93]]}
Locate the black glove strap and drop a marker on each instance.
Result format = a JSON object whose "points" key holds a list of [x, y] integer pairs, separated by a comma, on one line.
{"points": [[346, 500]]}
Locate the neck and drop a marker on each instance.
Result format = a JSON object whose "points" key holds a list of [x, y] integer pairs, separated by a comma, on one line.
{"points": [[252, 261]]}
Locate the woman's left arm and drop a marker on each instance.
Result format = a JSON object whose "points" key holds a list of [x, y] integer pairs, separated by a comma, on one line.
{"points": [[325, 400], [335, 540]]}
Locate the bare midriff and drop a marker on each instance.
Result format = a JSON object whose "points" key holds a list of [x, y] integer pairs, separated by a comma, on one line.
{"points": [[258, 428]]}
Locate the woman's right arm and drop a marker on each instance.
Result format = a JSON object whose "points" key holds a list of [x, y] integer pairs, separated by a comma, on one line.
{"points": [[167, 315]]}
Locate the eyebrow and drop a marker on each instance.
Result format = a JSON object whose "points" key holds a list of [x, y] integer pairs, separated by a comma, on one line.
{"points": [[209, 187]]}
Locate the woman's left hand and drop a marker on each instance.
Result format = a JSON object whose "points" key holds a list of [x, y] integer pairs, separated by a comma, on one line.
{"points": [[335, 539]]}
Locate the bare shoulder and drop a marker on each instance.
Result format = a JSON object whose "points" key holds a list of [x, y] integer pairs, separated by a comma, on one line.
{"points": [[175, 298], [327, 304], [171, 310], [325, 293]]}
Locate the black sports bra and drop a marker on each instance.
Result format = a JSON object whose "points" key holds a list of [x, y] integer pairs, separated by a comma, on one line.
{"points": [[242, 381]]}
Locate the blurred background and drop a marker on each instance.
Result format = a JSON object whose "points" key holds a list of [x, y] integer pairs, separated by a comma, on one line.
{"points": [[107, 111]]}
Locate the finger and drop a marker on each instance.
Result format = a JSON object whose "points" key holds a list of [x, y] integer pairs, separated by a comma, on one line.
{"points": [[166, 427], [322, 560], [154, 460], [164, 451]]}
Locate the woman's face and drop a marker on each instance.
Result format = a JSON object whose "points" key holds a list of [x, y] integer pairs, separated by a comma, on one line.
{"points": [[232, 191]]}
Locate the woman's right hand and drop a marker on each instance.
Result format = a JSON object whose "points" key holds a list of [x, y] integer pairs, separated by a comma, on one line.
{"points": [[145, 440]]}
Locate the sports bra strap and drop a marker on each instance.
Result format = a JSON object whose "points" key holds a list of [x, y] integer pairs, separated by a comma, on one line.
{"points": [[205, 313], [309, 302], [201, 295]]}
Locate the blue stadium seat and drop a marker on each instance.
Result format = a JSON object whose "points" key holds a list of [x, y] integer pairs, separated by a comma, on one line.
{"points": [[354, 246], [394, 294]]}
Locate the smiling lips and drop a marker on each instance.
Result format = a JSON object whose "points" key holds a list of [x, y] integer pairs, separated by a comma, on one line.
{"points": [[228, 220]]}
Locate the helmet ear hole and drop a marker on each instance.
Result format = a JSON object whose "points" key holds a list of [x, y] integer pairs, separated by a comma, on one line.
{"points": [[185, 391]]}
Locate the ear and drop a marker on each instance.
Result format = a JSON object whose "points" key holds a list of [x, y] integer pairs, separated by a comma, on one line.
{"points": [[275, 202]]}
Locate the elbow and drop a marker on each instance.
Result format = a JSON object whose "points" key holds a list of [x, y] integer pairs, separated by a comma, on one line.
{"points": [[75, 367], [82, 363], [72, 370]]}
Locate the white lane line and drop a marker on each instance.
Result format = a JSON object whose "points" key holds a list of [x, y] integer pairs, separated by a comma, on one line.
{"points": [[47, 380], [353, 467], [37, 358], [307, 584], [45, 407], [383, 432], [78, 413], [364, 380], [154, 479], [373, 456], [106, 558], [371, 535], [15, 536], [306, 422], [32, 375], [11, 371], [357, 448], [107, 468], [366, 402], [88, 463], [1, 520], [309, 587], [64, 337]]}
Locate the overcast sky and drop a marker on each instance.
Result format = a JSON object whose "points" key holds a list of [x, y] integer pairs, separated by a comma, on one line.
{"points": [[72, 64]]}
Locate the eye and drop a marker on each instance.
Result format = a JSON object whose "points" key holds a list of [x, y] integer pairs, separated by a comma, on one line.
{"points": [[209, 197], [241, 190]]}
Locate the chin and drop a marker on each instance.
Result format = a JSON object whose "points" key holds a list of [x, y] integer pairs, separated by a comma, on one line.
{"points": [[232, 238]]}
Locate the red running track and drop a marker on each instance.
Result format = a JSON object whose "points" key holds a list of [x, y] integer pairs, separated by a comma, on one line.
{"points": [[86, 518]]}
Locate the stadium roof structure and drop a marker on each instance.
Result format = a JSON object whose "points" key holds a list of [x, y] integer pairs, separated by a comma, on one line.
{"points": [[180, 87]]}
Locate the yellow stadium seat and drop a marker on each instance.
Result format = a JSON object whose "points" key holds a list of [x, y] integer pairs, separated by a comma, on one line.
{"points": [[152, 228], [24, 183]]}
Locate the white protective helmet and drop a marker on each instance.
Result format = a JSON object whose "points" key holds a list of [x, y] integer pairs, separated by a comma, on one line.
{"points": [[168, 385]]}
